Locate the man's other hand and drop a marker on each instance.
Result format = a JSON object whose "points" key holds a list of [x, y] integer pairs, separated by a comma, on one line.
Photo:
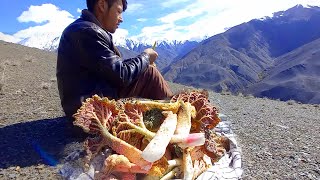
{"points": [[153, 55]]}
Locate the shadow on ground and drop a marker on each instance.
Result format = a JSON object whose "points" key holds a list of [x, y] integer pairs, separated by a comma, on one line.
{"points": [[37, 142]]}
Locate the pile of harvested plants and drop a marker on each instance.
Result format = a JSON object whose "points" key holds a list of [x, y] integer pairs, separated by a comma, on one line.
{"points": [[153, 139]]}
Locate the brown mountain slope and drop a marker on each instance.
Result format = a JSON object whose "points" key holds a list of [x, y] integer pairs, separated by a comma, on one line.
{"points": [[216, 65], [279, 140], [234, 60], [295, 75]]}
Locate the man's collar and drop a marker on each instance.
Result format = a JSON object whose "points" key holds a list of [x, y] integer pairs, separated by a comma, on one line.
{"points": [[89, 16]]}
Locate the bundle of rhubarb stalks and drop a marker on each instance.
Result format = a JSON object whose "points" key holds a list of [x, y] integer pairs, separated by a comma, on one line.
{"points": [[153, 139]]}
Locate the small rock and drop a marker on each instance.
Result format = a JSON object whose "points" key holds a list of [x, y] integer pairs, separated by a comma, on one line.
{"points": [[18, 168], [302, 174], [41, 166], [317, 171], [268, 174], [292, 157], [12, 176], [268, 154], [305, 160], [311, 176]]}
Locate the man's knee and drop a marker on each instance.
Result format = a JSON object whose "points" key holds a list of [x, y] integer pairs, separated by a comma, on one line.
{"points": [[153, 71]]}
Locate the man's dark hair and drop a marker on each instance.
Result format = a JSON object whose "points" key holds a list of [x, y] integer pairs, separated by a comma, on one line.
{"points": [[92, 3]]}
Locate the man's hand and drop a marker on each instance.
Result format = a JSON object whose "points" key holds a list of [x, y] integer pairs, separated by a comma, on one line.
{"points": [[153, 55]]}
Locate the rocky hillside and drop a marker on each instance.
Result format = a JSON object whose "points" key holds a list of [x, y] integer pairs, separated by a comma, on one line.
{"points": [[279, 140]]}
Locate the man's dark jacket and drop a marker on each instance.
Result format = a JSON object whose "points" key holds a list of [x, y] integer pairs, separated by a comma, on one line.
{"points": [[88, 64]]}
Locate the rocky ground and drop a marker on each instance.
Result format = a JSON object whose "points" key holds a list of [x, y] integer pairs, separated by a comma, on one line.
{"points": [[279, 140]]}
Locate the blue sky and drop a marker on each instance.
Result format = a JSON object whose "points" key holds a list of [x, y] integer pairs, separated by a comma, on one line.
{"points": [[144, 20]]}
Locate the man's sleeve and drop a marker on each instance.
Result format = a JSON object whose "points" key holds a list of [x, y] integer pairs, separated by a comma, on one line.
{"points": [[101, 59]]}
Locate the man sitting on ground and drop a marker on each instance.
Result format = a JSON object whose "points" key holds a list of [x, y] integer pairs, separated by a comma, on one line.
{"points": [[88, 62]]}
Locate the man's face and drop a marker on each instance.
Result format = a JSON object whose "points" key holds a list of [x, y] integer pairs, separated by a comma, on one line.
{"points": [[112, 16]]}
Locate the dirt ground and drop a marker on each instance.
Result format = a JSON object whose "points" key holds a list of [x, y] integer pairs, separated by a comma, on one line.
{"points": [[279, 140]]}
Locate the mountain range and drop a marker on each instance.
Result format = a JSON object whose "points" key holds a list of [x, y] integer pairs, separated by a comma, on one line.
{"points": [[246, 56], [295, 75], [169, 51], [276, 57]]}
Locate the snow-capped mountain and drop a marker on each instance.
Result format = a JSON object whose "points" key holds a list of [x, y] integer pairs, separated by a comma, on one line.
{"points": [[296, 13], [168, 50], [137, 46], [45, 41], [50, 42]]}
